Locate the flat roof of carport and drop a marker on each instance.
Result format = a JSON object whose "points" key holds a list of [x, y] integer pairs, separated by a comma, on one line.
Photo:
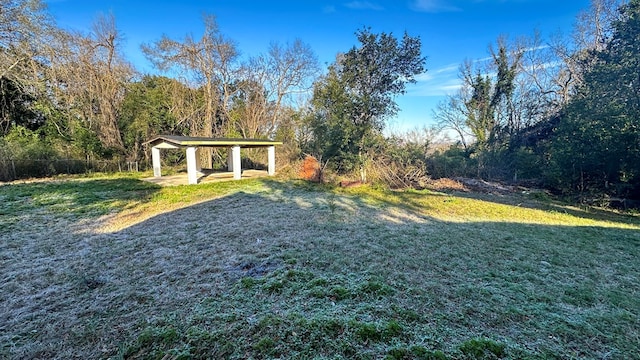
{"points": [[185, 141]]}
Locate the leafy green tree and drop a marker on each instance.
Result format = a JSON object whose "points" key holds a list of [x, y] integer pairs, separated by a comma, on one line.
{"points": [[150, 108], [596, 147], [335, 136], [491, 100], [358, 94], [16, 107], [480, 111]]}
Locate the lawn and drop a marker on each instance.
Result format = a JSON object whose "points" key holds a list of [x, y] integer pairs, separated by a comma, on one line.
{"points": [[113, 267]]}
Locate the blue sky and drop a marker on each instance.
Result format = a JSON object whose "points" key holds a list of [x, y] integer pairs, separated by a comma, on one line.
{"points": [[451, 30]]}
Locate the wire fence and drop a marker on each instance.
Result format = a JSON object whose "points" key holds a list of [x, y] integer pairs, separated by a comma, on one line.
{"points": [[11, 169]]}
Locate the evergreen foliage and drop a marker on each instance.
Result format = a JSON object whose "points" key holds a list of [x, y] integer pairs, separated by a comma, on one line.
{"points": [[357, 96], [596, 148]]}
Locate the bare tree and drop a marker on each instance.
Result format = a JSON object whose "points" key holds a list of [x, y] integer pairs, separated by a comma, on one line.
{"points": [[89, 75], [251, 110], [109, 75], [23, 28], [271, 81], [186, 104], [25, 32], [290, 69], [550, 72], [492, 100], [450, 114], [591, 33], [593, 27], [208, 63]]}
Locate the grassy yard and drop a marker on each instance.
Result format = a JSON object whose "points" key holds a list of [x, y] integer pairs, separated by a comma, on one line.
{"points": [[260, 269]]}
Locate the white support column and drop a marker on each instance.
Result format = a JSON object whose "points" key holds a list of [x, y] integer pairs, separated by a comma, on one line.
{"points": [[192, 172], [237, 167], [229, 159], [199, 160], [155, 158], [271, 156]]}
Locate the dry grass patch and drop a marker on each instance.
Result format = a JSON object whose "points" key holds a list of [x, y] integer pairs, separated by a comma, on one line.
{"points": [[116, 268]]}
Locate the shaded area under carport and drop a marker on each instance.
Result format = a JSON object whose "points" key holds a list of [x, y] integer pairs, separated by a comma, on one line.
{"points": [[192, 145]]}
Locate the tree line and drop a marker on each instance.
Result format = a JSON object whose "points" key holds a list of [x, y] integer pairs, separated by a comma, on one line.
{"points": [[561, 113], [76, 93]]}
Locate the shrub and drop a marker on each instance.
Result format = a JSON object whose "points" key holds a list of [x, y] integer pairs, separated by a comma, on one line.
{"points": [[310, 169], [453, 162], [401, 163]]}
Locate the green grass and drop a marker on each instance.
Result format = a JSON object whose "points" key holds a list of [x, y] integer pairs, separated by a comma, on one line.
{"points": [[118, 268]]}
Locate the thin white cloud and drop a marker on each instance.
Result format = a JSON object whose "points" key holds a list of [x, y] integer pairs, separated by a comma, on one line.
{"points": [[439, 82], [482, 60], [434, 6], [445, 71], [424, 77], [363, 5], [436, 89], [547, 65], [329, 9], [448, 69], [439, 6], [539, 47]]}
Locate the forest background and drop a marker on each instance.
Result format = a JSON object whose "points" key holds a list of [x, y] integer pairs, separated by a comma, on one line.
{"points": [[561, 114]]}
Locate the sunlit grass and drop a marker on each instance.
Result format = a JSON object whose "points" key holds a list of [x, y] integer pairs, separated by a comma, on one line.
{"points": [[113, 267], [499, 208]]}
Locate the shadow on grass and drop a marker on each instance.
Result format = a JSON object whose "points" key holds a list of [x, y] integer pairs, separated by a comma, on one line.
{"points": [[295, 271], [86, 196]]}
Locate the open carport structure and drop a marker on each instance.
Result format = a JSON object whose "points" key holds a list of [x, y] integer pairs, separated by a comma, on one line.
{"points": [[193, 144]]}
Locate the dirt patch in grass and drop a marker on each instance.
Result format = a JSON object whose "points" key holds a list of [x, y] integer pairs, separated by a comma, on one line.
{"points": [[267, 269], [461, 184], [446, 184]]}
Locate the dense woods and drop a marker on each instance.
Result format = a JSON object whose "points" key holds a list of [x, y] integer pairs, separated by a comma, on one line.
{"points": [[560, 113]]}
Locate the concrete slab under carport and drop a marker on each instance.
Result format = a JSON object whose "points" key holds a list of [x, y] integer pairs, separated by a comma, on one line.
{"points": [[210, 177]]}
